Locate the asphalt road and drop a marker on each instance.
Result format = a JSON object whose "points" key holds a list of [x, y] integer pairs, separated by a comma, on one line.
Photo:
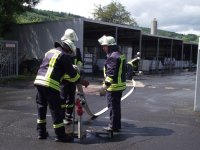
{"points": [[158, 115]]}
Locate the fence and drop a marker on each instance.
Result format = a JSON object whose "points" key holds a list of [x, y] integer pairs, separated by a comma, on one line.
{"points": [[8, 59]]}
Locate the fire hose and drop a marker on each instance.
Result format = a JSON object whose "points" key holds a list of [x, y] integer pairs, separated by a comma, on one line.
{"points": [[93, 116]]}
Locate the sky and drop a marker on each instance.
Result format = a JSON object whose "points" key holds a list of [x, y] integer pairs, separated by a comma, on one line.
{"points": [[181, 16]]}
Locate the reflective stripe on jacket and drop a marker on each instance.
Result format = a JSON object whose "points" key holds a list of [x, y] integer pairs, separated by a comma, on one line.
{"points": [[54, 65], [76, 60], [115, 71], [134, 62], [70, 79]]}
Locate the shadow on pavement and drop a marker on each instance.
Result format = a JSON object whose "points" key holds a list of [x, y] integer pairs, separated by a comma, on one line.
{"points": [[127, 131]]}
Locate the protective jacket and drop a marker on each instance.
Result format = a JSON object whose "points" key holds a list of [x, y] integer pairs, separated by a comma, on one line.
{"points": [[115, 71], [55, 64], [134, 62], [68, 87], [77, 60]]}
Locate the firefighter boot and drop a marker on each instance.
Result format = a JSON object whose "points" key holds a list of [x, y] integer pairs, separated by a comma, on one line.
{"points": [[61, 136], [42, 133]]}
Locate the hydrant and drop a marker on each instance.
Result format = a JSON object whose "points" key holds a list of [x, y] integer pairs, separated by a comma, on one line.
{"points": [[79, 108]]}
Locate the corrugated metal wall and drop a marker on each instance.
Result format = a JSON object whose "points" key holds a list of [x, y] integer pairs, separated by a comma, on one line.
{"points": [[35, 39]]}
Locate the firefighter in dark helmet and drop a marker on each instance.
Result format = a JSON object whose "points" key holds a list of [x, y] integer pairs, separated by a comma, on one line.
{"points": [[55, 64]]}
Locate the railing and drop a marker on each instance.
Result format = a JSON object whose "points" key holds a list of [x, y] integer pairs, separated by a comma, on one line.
{"points": [[8, 59]]}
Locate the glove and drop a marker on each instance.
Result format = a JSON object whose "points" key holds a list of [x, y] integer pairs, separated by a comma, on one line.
{"points": [[102, 91], [85, 82]]}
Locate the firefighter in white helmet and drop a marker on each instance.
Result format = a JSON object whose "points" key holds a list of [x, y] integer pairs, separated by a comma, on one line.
{"points": [[137, 54], [133, 66], [68, 89], [114, 80], [55, 64], [69, 34]]}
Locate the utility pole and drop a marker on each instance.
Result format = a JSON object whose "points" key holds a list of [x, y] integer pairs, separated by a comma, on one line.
{"points": [[197, 87]]}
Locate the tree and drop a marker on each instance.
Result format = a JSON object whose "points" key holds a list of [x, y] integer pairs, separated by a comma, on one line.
{"points": [[9, 9], [114, 13]]}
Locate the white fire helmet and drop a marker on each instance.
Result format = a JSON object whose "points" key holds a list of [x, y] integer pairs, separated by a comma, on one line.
{"points": [[71, 46], [138, 53], [70, 35], [107, 40]]}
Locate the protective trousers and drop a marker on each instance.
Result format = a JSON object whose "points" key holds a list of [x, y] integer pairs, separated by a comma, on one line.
{"points": [[114, 106], [68, 91], [48, 96]]}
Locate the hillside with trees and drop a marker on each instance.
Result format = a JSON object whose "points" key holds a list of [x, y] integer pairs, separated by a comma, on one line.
{"points": [[185, 38], [8, 11], [34, 15]]}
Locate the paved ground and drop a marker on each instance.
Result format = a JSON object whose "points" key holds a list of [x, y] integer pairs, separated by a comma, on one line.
{"points": [[158, 115]]}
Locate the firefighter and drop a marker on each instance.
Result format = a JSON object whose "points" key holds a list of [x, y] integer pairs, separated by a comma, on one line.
{"points": [[133, 66], [71, 35], [68, 89], [138, 56], [115, 80], [55, 64]]}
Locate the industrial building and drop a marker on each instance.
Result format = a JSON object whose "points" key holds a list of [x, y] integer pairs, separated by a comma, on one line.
{"points": [[158, 53]]}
